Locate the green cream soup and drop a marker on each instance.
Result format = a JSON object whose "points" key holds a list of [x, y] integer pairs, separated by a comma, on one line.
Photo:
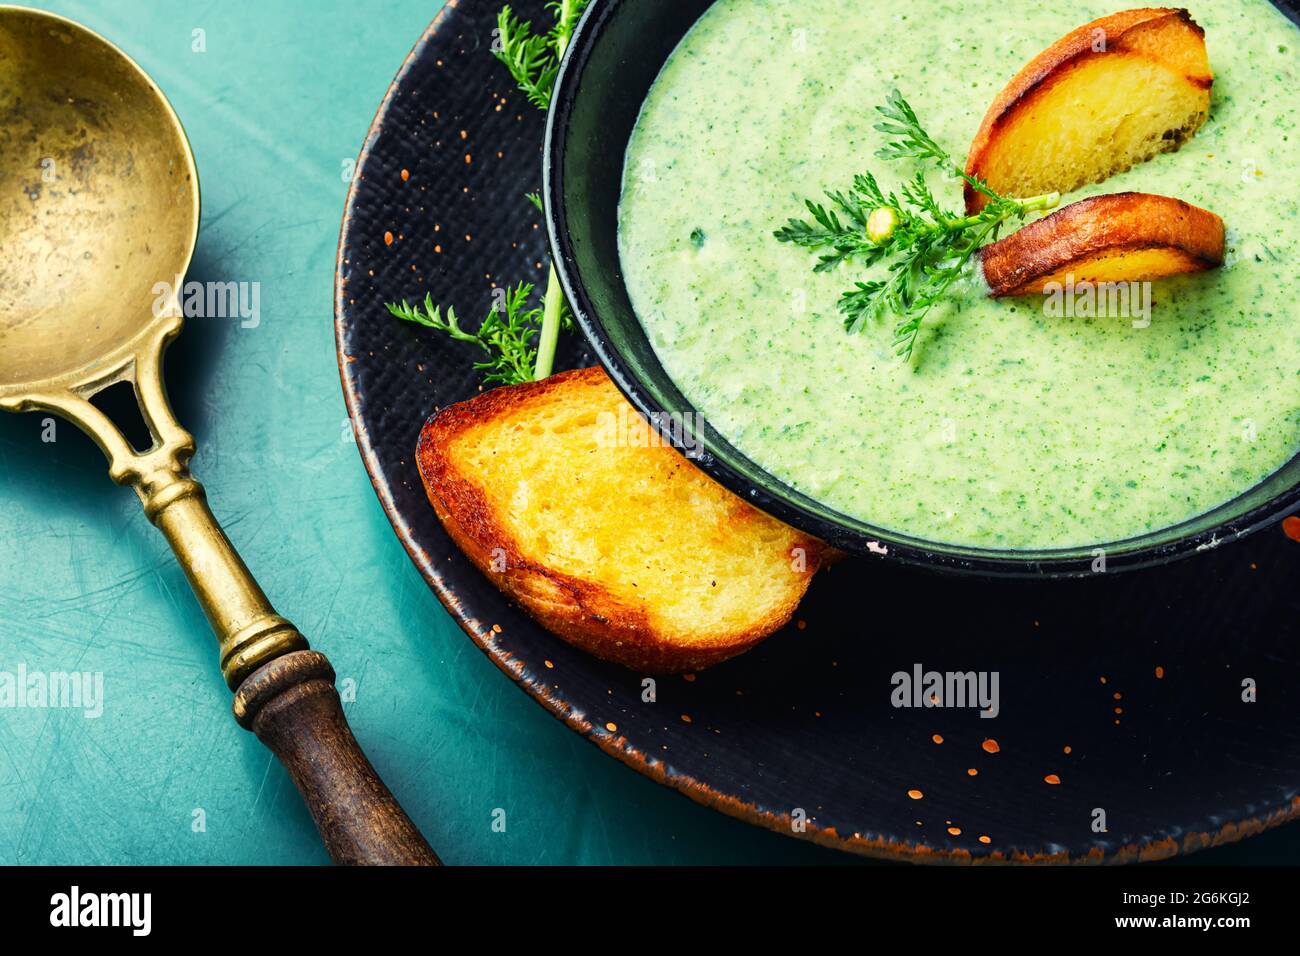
{"points": [[1012, 428]]}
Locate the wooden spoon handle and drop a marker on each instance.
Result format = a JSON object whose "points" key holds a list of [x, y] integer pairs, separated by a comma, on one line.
{"points": [[292, 706]]}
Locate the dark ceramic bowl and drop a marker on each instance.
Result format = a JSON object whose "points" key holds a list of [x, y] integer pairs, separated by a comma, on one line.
{"points": [[616, 54]]}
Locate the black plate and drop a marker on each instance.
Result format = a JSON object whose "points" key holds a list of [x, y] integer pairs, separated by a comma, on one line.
{"points": [[804, 725]]}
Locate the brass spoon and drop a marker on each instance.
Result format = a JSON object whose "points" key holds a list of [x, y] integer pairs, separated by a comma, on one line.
{"points": [[99, 202]]}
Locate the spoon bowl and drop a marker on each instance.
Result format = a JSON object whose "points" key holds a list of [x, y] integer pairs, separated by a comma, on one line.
{"points": [[102, 202]]}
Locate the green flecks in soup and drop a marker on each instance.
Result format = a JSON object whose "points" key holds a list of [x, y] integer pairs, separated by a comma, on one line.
{"points": [[1013, 429]]}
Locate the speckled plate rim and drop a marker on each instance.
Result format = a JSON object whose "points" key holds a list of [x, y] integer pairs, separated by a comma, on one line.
{"points": [[616, 745]]}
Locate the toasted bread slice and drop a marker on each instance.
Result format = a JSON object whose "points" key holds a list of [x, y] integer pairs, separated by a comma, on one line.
{"points": [[1122, 237], [1106, 97], [562, 495]]}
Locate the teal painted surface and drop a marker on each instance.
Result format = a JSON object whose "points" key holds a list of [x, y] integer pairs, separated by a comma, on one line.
{"points": [[275, 107]]}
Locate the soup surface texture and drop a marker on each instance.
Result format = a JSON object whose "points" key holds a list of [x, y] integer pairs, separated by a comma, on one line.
{"points": [[1011, 428]]}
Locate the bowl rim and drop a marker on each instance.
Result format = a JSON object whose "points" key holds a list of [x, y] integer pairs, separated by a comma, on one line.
{"points": [[781, 501]]}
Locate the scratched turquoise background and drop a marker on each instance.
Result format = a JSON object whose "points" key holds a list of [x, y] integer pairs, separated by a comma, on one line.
{"points": [[275, 107]]}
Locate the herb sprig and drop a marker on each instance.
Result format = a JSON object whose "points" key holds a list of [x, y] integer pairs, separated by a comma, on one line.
{"points": [[533, 59], [506, 333], [927, 247], [520, 339]]}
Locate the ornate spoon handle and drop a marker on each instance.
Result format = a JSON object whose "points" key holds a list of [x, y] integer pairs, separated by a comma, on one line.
{"points": [[284, 692]]}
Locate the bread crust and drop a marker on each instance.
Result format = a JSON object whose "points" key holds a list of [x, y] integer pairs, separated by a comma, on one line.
{"points": [[1104, 226], [1053, 65], [581, 611]]}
